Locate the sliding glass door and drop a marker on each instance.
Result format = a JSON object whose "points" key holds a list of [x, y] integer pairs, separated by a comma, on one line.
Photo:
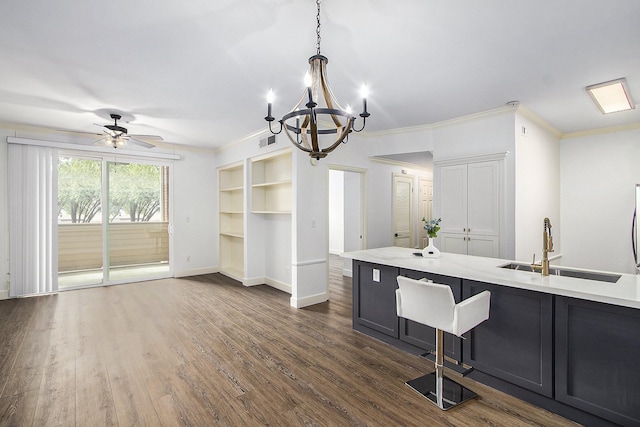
{"points": [[80, 243], [138, 221], [113, 222]]}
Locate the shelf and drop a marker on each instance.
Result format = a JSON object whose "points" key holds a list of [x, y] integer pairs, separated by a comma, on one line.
{"points": [[273, 169], [271, 184], [230, 189], [232, 234], [231, 220], [272, 212]]}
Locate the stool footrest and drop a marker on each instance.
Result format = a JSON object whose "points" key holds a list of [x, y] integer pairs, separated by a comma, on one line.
{"points": [[459, 369], [453, 394]]}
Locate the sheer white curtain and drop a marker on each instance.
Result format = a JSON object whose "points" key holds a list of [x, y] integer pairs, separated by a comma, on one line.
{"points": [[33, 219]]}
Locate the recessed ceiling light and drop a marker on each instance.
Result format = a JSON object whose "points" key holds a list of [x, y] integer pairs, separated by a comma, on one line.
{"points": [[611, 97]]}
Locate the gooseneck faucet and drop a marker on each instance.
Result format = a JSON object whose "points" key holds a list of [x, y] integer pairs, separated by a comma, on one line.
{"points": [[547, 246]]}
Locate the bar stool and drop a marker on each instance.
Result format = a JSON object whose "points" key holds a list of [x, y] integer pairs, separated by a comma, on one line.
{"points": [[432, 304]]}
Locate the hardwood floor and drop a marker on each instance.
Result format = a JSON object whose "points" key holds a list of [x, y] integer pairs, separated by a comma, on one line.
{"points": [[208, 351]]}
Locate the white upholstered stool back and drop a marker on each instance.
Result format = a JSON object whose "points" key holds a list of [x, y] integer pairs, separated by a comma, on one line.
{"points": [[432, 304]]}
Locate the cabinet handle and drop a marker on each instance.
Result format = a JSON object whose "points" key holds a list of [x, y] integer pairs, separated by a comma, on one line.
{"points": [[468, 229], [464, 229]]}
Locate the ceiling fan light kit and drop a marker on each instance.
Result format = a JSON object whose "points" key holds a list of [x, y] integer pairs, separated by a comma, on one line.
{"points": [[304, 124], [117, 136]]}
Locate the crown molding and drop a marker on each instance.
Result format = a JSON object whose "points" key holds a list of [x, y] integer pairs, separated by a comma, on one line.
{"points": [[528, 114], [600, 131], [398, 163]]}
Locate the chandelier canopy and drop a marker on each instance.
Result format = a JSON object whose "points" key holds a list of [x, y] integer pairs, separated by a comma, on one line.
{"points": [[318, 112]]}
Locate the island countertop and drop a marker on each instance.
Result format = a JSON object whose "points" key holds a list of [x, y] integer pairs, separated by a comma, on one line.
{"points": [[625, 292]]}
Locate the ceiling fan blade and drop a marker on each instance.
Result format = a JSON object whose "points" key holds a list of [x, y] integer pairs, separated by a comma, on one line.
{"points": [[152, 137], [101, 141], [141, 143]]}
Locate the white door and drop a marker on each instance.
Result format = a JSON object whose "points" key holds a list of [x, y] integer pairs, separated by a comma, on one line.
{"points": [[483, 198], [452, 195], [425, 210], [402, 210]]}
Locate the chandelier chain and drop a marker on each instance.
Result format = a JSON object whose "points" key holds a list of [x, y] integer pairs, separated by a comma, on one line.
{"points": [[318, 28]]}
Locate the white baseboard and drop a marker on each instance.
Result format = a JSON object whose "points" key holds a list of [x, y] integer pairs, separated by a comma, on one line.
{"points": [[253, 281], [347, 272], [195, 272], [5, 294], [284, 287], [310, 300]]}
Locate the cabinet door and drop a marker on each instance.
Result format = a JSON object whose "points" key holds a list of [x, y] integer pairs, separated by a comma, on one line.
{"points": [[597, 354], [374, 301], [423, 336], [485, 246], [453, 243], [516, 342], [452, 197], [483, 198]]}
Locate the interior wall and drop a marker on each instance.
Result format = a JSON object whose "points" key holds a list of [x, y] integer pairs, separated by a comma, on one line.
{"points": [[277, 251], [538, 189], [195, 213], [598, 174]]}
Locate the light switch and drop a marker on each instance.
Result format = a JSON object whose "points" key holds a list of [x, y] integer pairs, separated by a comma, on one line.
{"points": [[376, 275]]}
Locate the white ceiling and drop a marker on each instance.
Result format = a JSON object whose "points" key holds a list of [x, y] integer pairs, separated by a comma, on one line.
{"points": [[196, 72]]}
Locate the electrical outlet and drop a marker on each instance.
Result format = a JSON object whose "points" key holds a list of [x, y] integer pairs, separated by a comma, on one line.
{"points": [[376, 275]]}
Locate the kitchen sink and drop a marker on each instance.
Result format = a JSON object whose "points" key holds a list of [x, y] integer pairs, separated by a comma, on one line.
{"points": [[559, 271]]}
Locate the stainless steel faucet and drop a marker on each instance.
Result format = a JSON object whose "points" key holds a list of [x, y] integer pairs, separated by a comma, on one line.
{"points": [[547, 246]]}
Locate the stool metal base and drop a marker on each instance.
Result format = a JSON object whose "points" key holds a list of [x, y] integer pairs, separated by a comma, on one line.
{"points": [[453, 394]]}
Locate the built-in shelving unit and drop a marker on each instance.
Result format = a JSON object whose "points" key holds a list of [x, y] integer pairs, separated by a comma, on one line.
{"points": [[271, 183], [231, 203]]}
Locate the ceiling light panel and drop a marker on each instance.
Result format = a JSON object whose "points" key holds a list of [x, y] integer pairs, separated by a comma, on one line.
{"points": [[611, 97]]}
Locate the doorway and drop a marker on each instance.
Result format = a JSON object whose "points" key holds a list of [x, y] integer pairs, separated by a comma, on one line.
{"points": [[113, 221], [403, 210], [346, 213]]}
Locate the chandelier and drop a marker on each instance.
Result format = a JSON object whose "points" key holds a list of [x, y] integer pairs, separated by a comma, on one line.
{"points": [[318, 113]]}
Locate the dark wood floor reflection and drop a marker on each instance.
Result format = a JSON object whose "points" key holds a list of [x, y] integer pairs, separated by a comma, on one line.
{"points": [[208, 351]]}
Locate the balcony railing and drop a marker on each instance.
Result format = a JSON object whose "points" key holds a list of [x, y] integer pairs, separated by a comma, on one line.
{"points": [[130, 243]]}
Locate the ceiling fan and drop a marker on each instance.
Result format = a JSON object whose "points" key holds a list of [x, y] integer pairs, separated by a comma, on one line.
{"points": [[117, 136]]}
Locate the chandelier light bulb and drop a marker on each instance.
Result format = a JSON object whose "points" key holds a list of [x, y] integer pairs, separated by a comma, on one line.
{"points": [[364, 91], [348, 109], [307, 79], [270, 96]]}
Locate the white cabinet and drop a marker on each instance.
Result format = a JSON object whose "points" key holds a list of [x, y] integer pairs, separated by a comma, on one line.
{"points": [[468, 199], [231, 203]]}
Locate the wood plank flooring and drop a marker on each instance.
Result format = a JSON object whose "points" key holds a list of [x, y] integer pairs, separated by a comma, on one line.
{"points": [[207, 351]]}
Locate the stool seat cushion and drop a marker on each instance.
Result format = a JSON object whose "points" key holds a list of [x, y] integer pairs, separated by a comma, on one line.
{"points": [[432, 304]]}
